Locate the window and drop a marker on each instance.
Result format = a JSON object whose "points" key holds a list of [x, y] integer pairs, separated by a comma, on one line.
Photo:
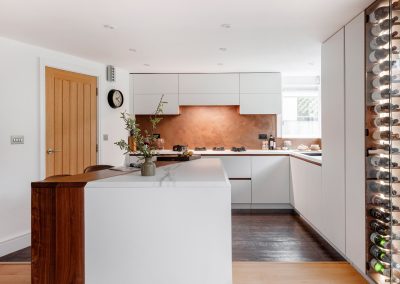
{"points": [[301, 111]]}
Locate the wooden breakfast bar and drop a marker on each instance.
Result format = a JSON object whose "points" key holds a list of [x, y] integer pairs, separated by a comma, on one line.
{"points": [[87, 228]]}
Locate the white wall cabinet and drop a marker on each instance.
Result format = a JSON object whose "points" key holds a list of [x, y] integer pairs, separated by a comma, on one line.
{"points": [[260, 93], [148, 89], [270, 179], [306, 188], [209, 89], [355, 141], [333, 140]]}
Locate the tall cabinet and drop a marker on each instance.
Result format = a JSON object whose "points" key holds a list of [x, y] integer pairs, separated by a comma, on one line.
{"points": [[343, 167], [333, 141]]}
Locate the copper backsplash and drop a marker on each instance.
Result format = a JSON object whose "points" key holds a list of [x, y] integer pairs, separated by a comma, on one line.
{"points": [[211, 126]]}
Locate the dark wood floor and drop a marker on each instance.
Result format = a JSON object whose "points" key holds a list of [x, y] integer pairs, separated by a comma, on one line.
{"points": [[258, 236], [277, 237]]}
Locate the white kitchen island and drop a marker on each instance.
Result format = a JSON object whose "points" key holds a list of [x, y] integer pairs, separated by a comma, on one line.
{"points": [[173, 228]]}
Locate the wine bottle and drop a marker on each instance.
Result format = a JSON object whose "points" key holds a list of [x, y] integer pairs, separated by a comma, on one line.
{"points": [[380, 241], [384, 121], [384, 80], [388, 149], [377, 187], [384, 135], [380, 41], [381, 175], [381, 162], [380, 13], [380, 228], [381, 215], [384, 94], [385, 108], [379, 267], [379, 254], [383, 202], [382, 67], [380, 54], [385, 25]]}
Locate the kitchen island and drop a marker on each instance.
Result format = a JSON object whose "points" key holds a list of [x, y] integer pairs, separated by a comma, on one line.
{"points": [[174, 227]]}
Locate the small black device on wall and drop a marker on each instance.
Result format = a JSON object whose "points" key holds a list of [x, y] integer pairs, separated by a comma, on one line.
{"points": [[115, 98]]}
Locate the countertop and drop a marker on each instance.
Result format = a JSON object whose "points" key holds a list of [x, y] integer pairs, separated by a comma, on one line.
{"points": [[252, 152], [197, 173]]}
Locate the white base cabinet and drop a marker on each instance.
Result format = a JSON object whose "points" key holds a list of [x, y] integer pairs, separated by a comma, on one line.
{"points": [[270, 179], [241, 191], [306, 187]]}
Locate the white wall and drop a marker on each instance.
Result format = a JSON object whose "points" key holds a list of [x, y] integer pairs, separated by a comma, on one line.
{"points": [[20, 114]]}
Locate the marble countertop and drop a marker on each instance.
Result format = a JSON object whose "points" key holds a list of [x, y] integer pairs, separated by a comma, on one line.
{"points": [[193, 174]]}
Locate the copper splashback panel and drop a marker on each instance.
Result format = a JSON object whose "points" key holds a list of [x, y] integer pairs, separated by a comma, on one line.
{"points": [[212, 126]]}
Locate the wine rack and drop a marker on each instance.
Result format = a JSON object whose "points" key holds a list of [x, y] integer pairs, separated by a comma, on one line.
{"points": [[382, 120]]}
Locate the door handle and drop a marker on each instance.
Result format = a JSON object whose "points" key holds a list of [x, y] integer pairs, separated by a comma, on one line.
{"points": [[51, 151]]}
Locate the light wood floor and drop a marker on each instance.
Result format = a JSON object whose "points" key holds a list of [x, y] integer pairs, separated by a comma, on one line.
{"points": [[243, 273]]}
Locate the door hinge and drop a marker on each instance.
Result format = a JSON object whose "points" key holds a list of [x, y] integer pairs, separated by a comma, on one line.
{"points": [[97, 147], [97, 91]]}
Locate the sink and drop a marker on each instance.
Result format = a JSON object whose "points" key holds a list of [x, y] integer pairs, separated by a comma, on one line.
{"points": [[313, 154]]}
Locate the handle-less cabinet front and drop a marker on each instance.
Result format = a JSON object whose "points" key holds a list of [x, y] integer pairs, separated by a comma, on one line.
{"points": [[270, 179], [148, 89], [209, 89], [260, 93]]}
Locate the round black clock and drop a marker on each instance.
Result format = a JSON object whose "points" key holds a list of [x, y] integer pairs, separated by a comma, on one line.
{"points": [[115, 98]]}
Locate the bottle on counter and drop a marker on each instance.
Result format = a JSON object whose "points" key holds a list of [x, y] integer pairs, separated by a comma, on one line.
{"points": [[271, 142]]}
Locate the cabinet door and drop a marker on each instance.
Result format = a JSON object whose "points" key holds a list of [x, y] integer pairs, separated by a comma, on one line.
{"points": [[260, 83], [270, 179], [209, 89], [241, 191], [306, 182], [333, 114], [155, 84], [260, 93], [355, 143], [147, 104], [235, 166]]}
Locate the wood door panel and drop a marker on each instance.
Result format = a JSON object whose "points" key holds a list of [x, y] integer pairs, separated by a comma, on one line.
{"points": [[71, 122]]}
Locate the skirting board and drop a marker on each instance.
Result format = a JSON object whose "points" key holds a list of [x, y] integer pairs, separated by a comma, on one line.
{"points": [[261, 206], [14, 244]]}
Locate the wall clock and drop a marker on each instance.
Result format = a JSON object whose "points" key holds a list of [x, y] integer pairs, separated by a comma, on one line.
{"points": [[115, 98]]}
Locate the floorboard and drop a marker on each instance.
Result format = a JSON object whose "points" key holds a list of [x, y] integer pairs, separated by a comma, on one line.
{"points": [[243, 273]]}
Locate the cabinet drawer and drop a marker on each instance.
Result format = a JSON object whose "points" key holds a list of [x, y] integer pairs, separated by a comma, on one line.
{"points": [[241, 191], [235, 167]]}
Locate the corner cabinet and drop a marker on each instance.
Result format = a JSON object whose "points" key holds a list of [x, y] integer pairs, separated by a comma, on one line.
{"points": [[148, 89], [260, 93]]}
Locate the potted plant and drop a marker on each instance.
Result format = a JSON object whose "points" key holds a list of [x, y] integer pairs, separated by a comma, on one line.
{"points": [[142, 143]]}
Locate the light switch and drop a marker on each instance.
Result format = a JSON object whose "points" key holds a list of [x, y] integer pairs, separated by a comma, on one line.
{"points": [[17, 139], [105, 137]]}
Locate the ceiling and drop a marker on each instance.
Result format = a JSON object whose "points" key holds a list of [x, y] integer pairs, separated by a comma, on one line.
{"points": [[183, 35]]}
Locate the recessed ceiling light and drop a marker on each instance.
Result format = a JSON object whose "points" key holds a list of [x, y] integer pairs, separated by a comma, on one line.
{"points": [[147, 65], [132, 49], [223, 49], [110, 27], [226, 26], [220, 64], [311, 63]]}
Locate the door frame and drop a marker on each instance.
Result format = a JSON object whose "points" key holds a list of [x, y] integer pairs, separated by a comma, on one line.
{"points": [[71, 67]]}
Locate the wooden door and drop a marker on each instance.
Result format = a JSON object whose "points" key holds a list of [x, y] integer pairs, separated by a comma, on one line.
{"points": [[71, 122]]}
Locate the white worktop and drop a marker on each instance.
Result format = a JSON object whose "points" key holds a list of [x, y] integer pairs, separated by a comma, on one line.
{"points": [[193, 174], [295, 153]]}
